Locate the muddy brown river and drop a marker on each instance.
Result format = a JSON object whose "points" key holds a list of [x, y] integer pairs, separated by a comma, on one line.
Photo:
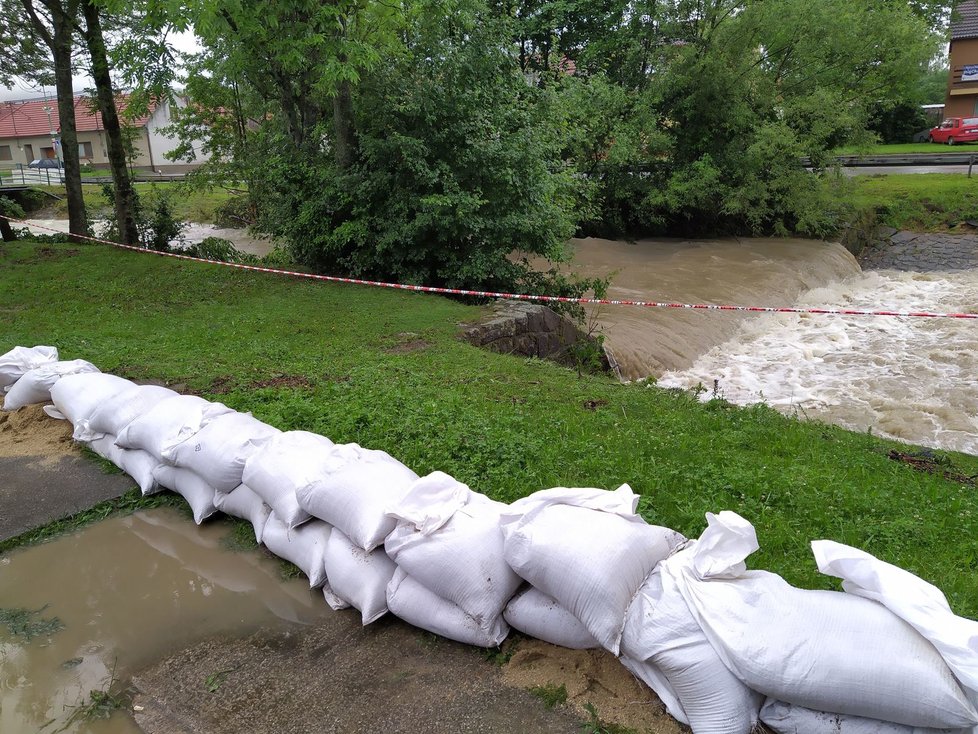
{"points": [[129, 591], [911, 379]]}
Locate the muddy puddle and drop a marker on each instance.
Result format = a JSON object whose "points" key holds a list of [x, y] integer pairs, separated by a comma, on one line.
{"points": [[128, 591]]}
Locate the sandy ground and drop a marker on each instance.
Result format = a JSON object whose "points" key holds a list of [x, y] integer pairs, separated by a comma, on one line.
{"points": [[337, 676]]}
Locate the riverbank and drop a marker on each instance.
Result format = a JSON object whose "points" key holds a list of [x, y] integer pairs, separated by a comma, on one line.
{"points": [[386, 369]]}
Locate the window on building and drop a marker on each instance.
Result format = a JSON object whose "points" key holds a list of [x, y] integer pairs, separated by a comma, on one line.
{"points": [[85, 150], [47, 152], [5, 154]]}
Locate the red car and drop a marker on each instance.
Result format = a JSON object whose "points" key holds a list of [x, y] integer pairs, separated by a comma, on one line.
{"points": [[956, 130]]}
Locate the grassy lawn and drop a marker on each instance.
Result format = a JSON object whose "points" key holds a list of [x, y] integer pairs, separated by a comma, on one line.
{"points": [[192, 206], [386, 369], [904, 148], [925, 202]]}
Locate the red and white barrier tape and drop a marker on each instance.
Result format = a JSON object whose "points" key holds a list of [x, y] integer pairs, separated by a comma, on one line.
{"points": [[521, 296]]}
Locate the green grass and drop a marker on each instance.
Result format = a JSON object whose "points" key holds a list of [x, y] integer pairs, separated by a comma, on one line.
{"points": [[192, 206], [925, 202], [904, 148], [551, 694], [325, 358], [28, 623]]}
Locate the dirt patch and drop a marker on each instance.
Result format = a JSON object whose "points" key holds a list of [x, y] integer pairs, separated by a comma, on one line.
{"points": [[281, 381], [31, 432], [405, 347], [591, 676], [594, 404], [338, 676], [931, 464]]}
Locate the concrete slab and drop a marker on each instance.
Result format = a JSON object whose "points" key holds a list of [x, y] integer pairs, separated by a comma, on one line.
{"points": [[43, 475]]}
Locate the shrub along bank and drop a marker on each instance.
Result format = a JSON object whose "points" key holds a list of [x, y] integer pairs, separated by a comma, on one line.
{"points": [[386, 369]]}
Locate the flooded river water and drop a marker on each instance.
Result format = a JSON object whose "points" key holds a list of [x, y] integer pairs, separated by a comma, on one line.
{"points": [[128, 591], [906, 378]]}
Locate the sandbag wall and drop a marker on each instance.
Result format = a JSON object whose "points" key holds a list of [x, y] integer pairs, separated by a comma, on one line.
{"points": [[722, 646]]}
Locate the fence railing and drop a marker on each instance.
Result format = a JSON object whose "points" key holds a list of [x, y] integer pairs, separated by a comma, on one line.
{"points": [[20, 175]]}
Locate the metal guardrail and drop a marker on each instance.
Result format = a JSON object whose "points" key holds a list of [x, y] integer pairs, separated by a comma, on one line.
{"points": [[904, 159]]}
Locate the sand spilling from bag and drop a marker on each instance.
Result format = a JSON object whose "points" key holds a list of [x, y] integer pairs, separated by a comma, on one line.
{"points": [[590, 676], [30, 432]]}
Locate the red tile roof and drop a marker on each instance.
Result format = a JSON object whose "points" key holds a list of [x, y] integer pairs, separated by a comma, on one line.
{"points": [[27, 118]]}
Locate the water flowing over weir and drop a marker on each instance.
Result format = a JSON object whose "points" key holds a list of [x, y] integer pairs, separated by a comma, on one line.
{"points": [[903, 378], [648, 342]]}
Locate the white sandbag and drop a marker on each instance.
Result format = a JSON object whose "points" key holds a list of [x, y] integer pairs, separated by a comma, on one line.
{"points": [[170, 422], [218, 451], [119, 411], [848, 655], [138, 464], [21, 360], [357, 577], [285, 464], [412, 602], [784, 718], [243, 503], [460, 560], [304, 546], [663, 645], [921, 605], [587, 549], [35, 386], [78, 396], [535, 614], [198, 493], [355, 493]]}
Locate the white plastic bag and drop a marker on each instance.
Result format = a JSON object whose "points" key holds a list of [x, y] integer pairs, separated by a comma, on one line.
{"points": [[285, 464], [357, 577], [198, 493], [138, 464], [355, 493], [416, 605], [535, 614], [218, 451], [921, 605], [168, 423], [304, 546], [587, 549], [462, 559], [664, 646], [117, 412], [243, 503], [848, 655], [783, 718], [21, 360], [35, 386], [77, 397]]}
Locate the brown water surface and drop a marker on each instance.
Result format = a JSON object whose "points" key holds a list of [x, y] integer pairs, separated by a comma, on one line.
{"points": [[129, 591], [756, 271]]}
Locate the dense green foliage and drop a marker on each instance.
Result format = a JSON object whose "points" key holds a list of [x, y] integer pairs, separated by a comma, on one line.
{"points": [[427, 140], [385, 369]]}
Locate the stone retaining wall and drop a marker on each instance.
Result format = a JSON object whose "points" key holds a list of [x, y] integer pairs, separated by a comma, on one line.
{"points": [[891, 249], [534, 330]]}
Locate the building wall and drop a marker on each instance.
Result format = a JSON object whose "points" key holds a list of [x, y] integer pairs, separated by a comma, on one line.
{"points": [[161, 144], [962, 97]]}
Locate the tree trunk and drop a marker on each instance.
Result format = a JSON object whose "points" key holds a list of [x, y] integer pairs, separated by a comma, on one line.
{"points": [[122, 181], [345, 145], [61, 18], [6, 231]]}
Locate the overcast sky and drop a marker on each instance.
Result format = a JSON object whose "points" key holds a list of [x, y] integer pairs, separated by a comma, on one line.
{"points": [[186, 42]]}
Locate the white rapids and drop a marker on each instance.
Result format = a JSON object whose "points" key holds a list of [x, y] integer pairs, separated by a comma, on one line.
{"points": [[911, 379]]}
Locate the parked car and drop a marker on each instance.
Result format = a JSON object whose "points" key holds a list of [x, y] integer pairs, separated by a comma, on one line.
{"points": [[956, 130], [45, 163]]}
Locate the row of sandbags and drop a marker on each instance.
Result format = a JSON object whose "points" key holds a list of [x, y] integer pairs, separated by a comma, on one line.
{"points": [[723, 647]]}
